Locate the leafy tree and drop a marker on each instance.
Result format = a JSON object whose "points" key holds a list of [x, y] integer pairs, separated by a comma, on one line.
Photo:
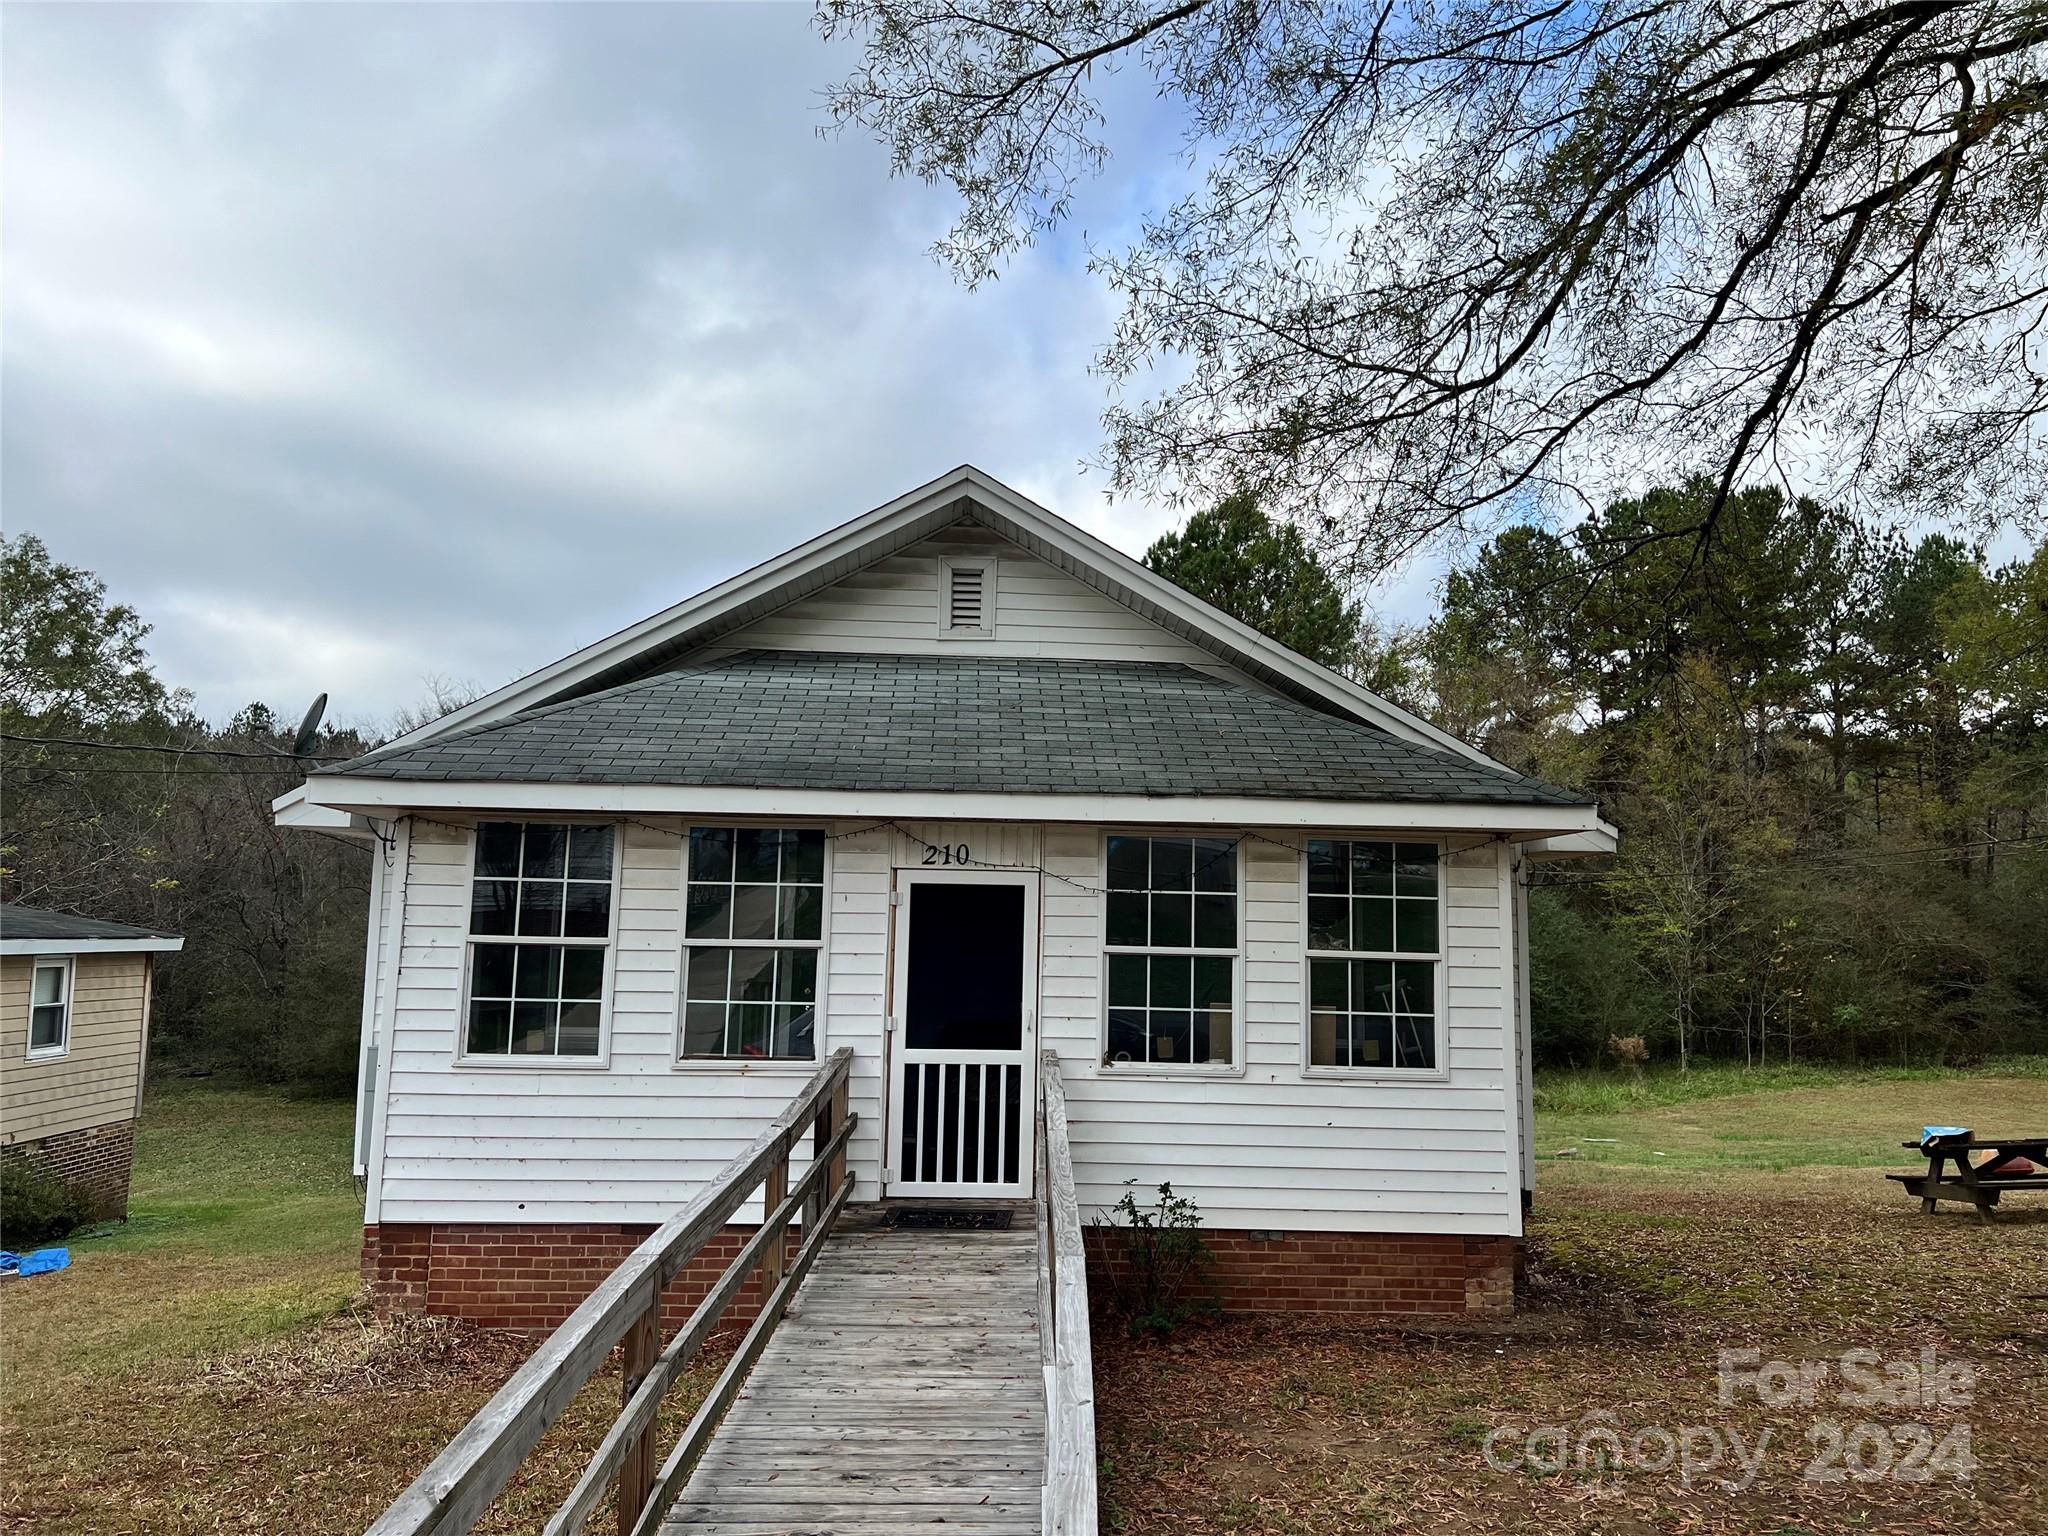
{"points": [[1827, 752], [1262, 573], [68, 657], [1439, 258]]}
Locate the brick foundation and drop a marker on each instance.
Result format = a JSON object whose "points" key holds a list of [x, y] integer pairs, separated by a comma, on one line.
{"points": [[98, 1159], [529, 1277], [1357, 1274]]}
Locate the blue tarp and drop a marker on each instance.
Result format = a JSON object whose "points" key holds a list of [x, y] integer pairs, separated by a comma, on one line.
{"points": [[36, 1263]]}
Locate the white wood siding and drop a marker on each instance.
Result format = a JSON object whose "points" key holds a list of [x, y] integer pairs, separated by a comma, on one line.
{"points": [[1265, 1147], [892, 608], [1271, 1148], [626, 1141]]}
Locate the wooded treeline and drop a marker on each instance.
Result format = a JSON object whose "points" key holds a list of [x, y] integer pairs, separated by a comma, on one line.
{"points": [[1826, 748], [165, 820]]}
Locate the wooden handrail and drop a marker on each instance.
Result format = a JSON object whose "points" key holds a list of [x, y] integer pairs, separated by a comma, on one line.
{"points": [[1069, 1505], [458, 1486]]}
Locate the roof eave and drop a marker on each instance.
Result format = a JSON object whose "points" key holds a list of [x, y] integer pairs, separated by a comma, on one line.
{"points": [[154, 944], [382, 796]]}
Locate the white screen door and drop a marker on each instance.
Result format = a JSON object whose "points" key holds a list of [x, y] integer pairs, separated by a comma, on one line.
{"points": [[963, 1033]]}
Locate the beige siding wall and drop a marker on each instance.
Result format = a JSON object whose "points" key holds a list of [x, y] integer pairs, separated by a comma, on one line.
{"points": [[94, 1082]]}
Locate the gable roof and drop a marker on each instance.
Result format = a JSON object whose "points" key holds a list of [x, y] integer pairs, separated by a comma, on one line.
{"points": [[965, 494], [958, 724], [33, 931]]}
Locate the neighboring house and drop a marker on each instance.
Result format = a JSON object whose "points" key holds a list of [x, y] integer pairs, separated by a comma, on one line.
{"points": [[74, 1037], [950, 784]]}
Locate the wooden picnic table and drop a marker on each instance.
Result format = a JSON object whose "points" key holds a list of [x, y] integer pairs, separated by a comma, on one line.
{"points": [[1971, 1182]]}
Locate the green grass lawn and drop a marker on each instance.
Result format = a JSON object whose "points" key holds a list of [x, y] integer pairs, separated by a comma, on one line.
{"points": [[244, 1223], [1723, 1119], [204, 1367]]}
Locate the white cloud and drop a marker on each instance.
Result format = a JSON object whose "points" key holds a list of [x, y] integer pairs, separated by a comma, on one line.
{"points": [[366, 343]]}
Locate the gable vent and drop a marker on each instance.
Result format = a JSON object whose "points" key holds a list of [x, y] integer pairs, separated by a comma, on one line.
{"points": [[968, 594]]}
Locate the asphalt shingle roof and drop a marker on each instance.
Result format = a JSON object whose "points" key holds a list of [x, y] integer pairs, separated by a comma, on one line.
{"points": [[34, 923], [806, 720]]}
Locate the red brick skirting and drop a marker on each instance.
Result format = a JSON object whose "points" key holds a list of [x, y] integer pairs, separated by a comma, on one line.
{"points": [[96, 1159], [528, 1277], [1359, 1274], [531, 1277]]}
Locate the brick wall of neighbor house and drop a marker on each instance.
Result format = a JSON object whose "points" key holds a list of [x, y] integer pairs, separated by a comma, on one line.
{"points": [[529, 1277], [1357, 1274], [98, 1158]]}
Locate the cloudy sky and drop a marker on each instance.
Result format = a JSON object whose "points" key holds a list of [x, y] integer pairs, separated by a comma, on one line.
{"points": [[355, 344]]}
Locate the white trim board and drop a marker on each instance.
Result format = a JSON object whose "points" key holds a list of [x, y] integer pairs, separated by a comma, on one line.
{"points": [[385, 795], [962, 492], [151, 946]]}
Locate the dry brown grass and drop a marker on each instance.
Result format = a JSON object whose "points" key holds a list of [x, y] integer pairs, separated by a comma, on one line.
{"points": [[314, 1432], [1641, 1277]]}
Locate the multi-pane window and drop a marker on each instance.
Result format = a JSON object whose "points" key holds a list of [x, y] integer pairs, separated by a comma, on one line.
{"points": [[49, 1011], [1171, 932], [752, 930], [540, 921], [1374, 942]]}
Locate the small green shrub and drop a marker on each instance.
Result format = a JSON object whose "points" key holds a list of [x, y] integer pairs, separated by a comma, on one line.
{"points": [[1163, 1258], [35, 1206]]}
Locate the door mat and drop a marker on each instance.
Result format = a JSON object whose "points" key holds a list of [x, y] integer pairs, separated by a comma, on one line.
{"points": [[957, 1219]]}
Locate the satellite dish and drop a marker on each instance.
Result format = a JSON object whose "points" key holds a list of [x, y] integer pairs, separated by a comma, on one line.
{"points": [[309, 727]]}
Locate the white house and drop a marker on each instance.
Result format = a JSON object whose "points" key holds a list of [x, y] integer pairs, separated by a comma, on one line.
{"points": [[950, 784]]}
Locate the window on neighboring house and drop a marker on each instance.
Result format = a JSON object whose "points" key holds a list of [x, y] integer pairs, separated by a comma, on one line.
{"points": [[1170, 929], [1375, 957], [753, 927], [49, 1009], [540, 923]]}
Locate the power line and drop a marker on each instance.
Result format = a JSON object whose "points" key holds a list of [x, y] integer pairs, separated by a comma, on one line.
{"points": [[268, 754]]}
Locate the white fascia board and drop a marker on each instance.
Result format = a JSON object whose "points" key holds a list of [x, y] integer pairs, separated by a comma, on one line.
{"points": [[791, 565], [90, 946], [290, 809], [386, 796], [1591, 844]]}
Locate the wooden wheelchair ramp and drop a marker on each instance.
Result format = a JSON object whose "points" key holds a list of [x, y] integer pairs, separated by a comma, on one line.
{"points": [[895, 1379], [903, 1391]]}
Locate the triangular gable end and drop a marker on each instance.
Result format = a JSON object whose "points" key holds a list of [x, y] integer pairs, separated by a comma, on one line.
{"points": [[744, 608]]}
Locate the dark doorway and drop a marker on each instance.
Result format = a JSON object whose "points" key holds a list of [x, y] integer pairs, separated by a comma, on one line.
{"points": [[965, 988]]}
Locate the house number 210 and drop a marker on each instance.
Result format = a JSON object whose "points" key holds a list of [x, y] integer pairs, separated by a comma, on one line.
{"points": [[951, 853]]}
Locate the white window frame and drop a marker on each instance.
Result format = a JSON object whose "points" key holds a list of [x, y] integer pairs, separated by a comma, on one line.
{"points": [[820, 1023], [1440, 992], [986, 564], [67, 965], [1235, 1067], [608, 990]]}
